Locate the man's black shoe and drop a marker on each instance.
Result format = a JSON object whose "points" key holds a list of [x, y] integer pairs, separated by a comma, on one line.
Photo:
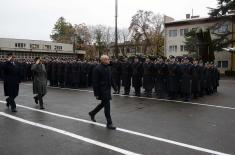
{"points": [[36, 99], [92, 117], [42, 107], [111, 127], [13, 110]]}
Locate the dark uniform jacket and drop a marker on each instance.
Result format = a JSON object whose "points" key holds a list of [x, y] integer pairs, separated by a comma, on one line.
{"points": [[102, 82], [137, 74], [148, 75], [12, 78]]}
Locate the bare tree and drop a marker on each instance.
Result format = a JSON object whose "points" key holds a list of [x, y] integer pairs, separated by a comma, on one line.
{"points": [[83, 36], [145, 27], [123, 37]]}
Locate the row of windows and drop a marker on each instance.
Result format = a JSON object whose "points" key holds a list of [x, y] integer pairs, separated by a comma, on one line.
{"points": [[173, 33], [58, 47], [222, 64], [20, 45], [173, 48], [36, 46]]}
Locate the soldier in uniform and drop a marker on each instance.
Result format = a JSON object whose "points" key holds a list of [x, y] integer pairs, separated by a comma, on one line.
{"points": [[195, 79], [208, 79], [172, 79], [202, 78], [126, 76], [186, 80], [54, 73], [148, 77], [137, 74], [84, 74], [116, 75], [215, 77], [60, 73], [163, 74], [68, 74]]}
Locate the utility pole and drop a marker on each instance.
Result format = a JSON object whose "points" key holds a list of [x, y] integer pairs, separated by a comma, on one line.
{"points": [[116, 29]]}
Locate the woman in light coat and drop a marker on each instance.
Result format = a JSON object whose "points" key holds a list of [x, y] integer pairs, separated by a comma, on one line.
{"points": [[39, 81]]}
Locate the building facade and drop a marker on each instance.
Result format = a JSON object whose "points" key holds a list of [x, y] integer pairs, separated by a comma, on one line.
{"points": [[175, 37], [27, 49]]}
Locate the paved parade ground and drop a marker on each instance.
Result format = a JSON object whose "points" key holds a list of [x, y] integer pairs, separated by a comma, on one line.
{"points": [[144, 125]]}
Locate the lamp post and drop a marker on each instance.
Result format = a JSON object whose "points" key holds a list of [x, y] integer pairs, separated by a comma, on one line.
{"points": [[116, 30]]}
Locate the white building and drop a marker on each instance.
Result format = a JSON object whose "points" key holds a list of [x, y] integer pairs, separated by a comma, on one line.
{"points": [[23, 48], [175, 31]]}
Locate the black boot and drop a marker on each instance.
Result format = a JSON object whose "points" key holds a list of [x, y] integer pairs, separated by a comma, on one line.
{"points": [[111, 127], [13, 110], [92, 117], [41, 103], [36, 99], [8, 102]]}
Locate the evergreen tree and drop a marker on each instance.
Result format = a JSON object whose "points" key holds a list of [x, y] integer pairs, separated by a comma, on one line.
{"points": [[221, 28], [63, 31]]}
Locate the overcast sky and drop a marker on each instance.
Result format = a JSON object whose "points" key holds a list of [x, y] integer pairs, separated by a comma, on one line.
{"points": [[34, 19]]}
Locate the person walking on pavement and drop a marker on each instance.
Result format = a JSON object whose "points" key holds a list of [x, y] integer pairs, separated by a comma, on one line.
{"points": [[39, 81], [12, 78], [102, 90]]}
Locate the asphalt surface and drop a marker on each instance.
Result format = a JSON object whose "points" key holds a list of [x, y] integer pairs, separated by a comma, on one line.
{"points": [[145, 125]]}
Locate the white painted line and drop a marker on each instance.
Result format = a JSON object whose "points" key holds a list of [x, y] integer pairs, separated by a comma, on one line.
{"points": [[128, 131], [88, 140]]}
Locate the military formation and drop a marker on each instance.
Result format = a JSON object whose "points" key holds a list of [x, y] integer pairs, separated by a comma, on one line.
{"points": [[173, 78]]}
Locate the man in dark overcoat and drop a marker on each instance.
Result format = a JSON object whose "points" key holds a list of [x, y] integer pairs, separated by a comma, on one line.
{"points": [[12, 78], [102, 90]]}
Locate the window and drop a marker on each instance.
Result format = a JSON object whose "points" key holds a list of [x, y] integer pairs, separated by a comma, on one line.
{"points": [[173, 48], [172, 33], [48, 47], [34, 46], [182, 48], [224, 64], [59, 48], [194, 29], [219, 64], [223, 29], [183, 32]]}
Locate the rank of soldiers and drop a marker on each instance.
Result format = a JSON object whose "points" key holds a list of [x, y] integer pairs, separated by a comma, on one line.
{"points": [[171, 78]]}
